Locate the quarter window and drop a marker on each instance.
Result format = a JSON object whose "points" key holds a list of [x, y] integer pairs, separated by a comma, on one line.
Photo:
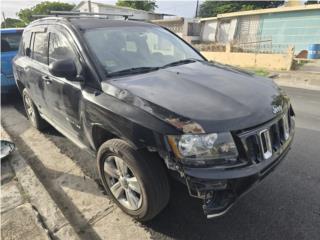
{"points": [[25, 43]]}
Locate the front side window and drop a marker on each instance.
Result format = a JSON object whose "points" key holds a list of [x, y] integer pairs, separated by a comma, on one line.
{"points": [[59, 48], [10, 41], [40, 47], [120, 48]]}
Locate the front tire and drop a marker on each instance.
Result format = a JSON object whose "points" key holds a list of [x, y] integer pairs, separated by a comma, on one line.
{"points": [[32, 112], [137, 182]]}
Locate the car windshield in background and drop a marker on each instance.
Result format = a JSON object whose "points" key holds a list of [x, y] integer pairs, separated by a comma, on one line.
{"points": [[145, 48], [10, 41]]}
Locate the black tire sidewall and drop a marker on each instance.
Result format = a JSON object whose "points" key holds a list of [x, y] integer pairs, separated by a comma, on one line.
{"points": [[130, 160], [37, 121]]}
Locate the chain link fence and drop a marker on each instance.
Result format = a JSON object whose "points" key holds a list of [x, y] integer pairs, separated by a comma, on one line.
{"points": [[256, 44]]}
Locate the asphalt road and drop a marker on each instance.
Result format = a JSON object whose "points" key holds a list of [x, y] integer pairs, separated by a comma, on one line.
{"points": [[286, 205]]}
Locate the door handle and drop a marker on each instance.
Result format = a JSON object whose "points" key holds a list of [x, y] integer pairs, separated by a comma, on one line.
{"points": [[47, 79]]}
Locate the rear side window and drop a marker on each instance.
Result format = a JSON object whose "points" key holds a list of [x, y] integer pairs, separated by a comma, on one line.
{"points": [[10, 41], [40, 47]]}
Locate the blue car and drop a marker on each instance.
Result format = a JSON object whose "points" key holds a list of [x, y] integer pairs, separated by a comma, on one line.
{"points": [[10, 40]]}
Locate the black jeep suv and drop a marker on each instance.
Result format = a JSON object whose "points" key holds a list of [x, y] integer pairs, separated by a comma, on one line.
{"points": [[147, 104]]}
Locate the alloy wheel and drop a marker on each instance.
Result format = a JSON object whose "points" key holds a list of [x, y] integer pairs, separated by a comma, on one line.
{"points": [[29, 107], [123, 184]]}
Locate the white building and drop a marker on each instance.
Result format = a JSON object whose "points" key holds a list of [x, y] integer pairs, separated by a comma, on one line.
{"points": [[84, 6], [297, 26]]}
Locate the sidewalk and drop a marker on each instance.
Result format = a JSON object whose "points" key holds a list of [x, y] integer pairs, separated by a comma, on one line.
{"points": [[20, 217], [80, 210], [305, 80], [307, 77]]}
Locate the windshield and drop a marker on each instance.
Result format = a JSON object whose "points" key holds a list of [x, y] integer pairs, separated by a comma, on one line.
{"points": [[122, 48], [10, 41]]}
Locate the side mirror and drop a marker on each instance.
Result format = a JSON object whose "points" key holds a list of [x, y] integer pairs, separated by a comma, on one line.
{"points": [[65, 68]]}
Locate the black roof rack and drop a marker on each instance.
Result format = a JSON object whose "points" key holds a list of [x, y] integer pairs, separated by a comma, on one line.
{"points": [[67, 14]]}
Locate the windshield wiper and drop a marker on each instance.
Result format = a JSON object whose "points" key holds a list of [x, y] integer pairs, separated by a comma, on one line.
{"points": [[180, 62], [133, 71]]}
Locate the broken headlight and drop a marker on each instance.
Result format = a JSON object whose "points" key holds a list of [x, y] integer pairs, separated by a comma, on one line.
{"points": [[218, 147]]}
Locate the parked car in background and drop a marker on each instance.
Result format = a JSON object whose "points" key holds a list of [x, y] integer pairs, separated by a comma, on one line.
{"points": [[147, 105], [10, 40]]}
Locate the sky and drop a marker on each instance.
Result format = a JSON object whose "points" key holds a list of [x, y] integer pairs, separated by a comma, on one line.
{"points": [[183, 8]]}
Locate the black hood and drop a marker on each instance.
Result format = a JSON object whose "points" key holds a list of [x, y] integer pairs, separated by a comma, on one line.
{"points": [[216, 97]]}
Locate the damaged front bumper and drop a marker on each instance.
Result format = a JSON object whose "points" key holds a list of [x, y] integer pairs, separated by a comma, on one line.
{"points": [[220, 188]]}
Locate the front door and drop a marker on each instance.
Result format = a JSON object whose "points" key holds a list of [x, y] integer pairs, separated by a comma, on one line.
{"points": [[63, 96]]}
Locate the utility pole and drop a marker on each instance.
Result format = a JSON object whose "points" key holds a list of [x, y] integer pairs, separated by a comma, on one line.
{"points": [[4, 20], [89, 6], [197, 8]]}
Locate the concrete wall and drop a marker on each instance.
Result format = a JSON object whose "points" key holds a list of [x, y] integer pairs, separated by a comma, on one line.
{"points": [[208, 31], [188, 29], [293, 28], [175, 25], [252, 60], [283, 26]]}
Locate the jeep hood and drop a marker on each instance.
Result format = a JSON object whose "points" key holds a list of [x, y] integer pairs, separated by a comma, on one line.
{"points": [[216, 97]]}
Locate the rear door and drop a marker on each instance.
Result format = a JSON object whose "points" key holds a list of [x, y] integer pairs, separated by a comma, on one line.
{"points": [[38, 68], [63, 96]]}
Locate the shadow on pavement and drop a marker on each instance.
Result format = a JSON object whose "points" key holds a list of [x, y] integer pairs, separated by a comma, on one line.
{"points": [[284, 206]]}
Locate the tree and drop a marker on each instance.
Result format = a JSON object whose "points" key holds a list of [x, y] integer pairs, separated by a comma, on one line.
{"points": [[311, 2], [43, 8], [142, 5], [12, 23], [213, 8]]}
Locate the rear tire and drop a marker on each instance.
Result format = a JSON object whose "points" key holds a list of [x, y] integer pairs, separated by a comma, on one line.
{"points": [[149, 171], [32, 112]]}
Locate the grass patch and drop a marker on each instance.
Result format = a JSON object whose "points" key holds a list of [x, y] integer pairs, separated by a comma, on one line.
{"points": [[258, 71]]}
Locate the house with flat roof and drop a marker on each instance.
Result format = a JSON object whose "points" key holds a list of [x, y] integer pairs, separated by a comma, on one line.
{"points": [[297, 26], [135, 14]]}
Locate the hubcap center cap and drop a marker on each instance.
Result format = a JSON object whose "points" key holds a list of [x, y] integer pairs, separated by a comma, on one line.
{"points": [[123, 182]]}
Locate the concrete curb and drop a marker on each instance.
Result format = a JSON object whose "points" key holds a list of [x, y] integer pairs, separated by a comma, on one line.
{"points": [[51, 216], [298, 79], [297, 84]]}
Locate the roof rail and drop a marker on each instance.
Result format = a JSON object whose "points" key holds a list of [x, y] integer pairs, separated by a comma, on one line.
{"points": [[76, 13], [70, 14]]}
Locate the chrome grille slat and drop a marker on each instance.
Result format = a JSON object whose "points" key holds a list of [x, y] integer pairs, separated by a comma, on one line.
{"points": [[263, 142], [286, 126]]}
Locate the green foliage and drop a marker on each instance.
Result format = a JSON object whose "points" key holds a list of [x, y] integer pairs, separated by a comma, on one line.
{"points": [[261, 72], [311, 2], [12, 23], [142, 5], [211, 8], [43, 8]]}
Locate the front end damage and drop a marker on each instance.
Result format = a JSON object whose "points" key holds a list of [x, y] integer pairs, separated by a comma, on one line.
{"points": [[220, 192], [219, 186]]}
